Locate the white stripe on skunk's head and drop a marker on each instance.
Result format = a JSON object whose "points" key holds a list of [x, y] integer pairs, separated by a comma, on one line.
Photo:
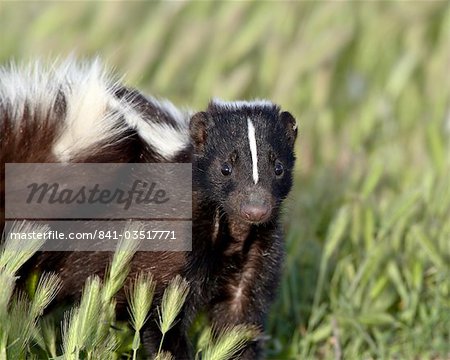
{"points": [[253, 150], [81, 99]]}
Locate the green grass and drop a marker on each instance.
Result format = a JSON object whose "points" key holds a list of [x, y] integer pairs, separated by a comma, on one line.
{"points": [[89, 329], [368, 223]]}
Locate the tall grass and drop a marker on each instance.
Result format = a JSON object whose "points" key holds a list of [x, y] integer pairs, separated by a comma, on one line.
{"points": [[140, 298], [18, 316], [224, 344], [171, 305], [88, 330], [25, 332], [368, 230]]}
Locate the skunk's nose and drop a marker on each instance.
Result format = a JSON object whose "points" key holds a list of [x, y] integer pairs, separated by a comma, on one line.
{"points": [[254, 213]]}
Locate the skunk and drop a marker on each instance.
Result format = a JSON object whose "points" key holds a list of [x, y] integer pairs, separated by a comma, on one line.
{"points": [[242, 156]]}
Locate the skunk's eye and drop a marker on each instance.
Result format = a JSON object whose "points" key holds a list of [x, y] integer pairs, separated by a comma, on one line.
{"points": [[278, 168], [226, 169]]}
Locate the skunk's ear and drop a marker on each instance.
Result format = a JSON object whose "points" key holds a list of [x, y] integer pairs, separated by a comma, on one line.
{"points": [[290, 125], [198, 128]]}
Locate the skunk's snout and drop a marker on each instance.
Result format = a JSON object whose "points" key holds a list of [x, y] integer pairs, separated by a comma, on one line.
{"points": [[256, 208], [255, 213]]}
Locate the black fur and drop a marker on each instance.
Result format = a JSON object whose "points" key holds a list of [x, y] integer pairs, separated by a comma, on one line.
{"points": [[236, 263]]}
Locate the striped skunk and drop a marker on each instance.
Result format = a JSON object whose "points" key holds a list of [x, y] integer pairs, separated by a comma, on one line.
{"points": [[242, 156]]}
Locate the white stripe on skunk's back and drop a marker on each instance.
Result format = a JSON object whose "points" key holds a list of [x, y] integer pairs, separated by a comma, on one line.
{"points": [[93, 115], [164, 138]]}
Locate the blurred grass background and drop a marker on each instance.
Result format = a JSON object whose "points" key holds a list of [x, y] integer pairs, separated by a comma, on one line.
{"points": [[368, 223]]}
